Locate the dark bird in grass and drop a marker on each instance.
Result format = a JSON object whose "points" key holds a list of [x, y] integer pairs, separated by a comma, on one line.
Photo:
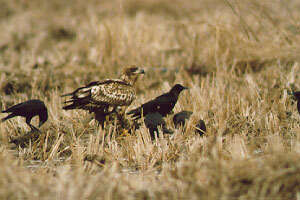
{"points": [[297, 96], [162, 104], [28, 109], [180, 118], [200, 127], [153, 121], [103, 97]]}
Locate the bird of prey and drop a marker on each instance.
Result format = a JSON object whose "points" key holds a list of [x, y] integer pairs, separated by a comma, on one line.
{"points": [[103, 97], [153, 121], [297, 96], [28, 109], [162, 104], [180, 118]]}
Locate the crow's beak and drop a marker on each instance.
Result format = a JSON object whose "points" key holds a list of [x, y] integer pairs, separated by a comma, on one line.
{"points": [[141, 71], [186, 88]]}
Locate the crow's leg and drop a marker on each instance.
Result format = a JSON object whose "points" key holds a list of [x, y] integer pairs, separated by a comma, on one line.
{"points": [[33, 128], [100, 117]]}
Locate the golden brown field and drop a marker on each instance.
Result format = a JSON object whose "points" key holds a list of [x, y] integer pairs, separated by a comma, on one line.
{"points": [[239, 58]]}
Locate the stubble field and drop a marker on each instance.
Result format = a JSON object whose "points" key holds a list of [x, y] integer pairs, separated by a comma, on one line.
{"points": [[240, 60]]}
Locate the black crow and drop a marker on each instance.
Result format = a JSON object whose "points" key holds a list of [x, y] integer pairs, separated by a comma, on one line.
{"points": [[180, 118], [153, 121], [162, 104], [200, 127], [28, 109], [297, 96]]}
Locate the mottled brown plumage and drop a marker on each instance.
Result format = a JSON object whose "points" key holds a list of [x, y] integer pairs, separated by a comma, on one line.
{"points": [[101, 96]]}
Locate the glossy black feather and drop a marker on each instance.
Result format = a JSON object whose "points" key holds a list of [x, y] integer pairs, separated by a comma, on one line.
{"points": [[180, 118], [162, 104]]}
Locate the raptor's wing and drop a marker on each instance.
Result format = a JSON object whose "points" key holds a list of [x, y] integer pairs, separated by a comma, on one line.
{"points": [[113, 92]]}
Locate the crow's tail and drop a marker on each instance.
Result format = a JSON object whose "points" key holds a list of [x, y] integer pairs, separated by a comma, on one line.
{"points": [[8, 117]]}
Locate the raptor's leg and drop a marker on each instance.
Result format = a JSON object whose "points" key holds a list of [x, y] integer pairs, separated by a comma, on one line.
{"points": [[121, 113], [100, 116], [103, 115], [114, 110], [124, 122]]}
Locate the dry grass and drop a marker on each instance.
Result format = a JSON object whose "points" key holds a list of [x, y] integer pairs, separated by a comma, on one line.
{"points": [[240, 59]]}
